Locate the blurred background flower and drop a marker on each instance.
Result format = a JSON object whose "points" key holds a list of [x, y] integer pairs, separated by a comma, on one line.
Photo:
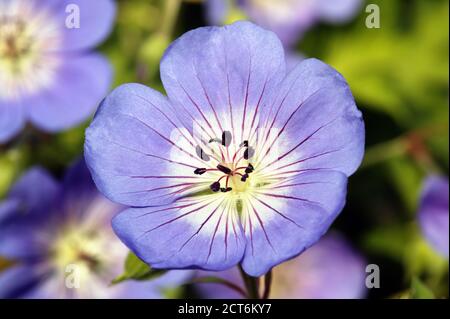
{"points": [[60, 242], [47, 74], [398, 74], [289, 19], [331, 269], [433, 213]]}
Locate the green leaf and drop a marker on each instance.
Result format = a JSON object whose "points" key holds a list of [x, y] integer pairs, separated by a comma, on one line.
{"points": [[419, 290], [136, 269]]}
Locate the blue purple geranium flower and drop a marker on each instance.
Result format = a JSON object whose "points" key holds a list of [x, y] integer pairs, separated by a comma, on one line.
{"points": [[331, 269], [241, 163], [59, 238], [289, 19], [434, 213], [48, 74]]}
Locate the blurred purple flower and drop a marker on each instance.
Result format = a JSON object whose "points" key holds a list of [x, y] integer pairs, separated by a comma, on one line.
{"points": [[433, 213], [52, 232], [48, 74], [330, 269], [241, 164], [289, 19]]}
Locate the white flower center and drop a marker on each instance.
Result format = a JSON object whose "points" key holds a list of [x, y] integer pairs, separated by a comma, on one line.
{"points": [[229, 165], [86, 256], [28, 36]]}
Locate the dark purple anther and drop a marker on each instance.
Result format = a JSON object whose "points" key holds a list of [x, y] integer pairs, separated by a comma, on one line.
{"points": [[201, 153], [249, 152], [199, 171], [226, 138], [244, 144], [215, 187], [224, 169]]}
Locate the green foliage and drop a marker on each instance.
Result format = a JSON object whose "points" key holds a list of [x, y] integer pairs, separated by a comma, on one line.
{"points": [[420, 291], [136, 269], [400, 69]]}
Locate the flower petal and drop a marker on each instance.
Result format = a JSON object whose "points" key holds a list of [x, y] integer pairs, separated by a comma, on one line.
{"points": [[219, 78], [12, 119], [78, 187], [16, 281], [434, 213], [129, 149], [96, 22], [300, 208], [330, 269], [337, 11], [197, 233], [33, 199], [80, 84], [316, 122], [288, 19], [19, 225], [216, 11]]}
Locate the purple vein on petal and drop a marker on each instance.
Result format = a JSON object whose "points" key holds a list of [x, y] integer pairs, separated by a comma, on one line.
{"points": [[147, 154], [209, 102], [198, 108], [160, 188], [278, 110], [168, 140], [214, 235], [287, 122], [300, 160], [263, 228], [251, 233], [165, 209], [178, 217], [201, 226], [229, 96], [253, 131], [170, 120], [288, 197], [278, 212], [246, 97], [297, 171], [305, 140]]}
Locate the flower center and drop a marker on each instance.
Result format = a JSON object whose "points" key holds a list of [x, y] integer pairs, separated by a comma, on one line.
{"points": [[235, 170], [15, 41], [26, 33], [78, 248]]}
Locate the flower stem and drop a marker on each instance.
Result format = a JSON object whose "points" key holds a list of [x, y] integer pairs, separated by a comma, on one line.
{"points": [[267, 284], [251, 284], [171, 10]]}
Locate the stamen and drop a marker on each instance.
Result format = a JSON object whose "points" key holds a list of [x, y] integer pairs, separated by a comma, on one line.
{"points": [[201, 153], [200, 171], [249, 168], [224, 169], [215, 187], [249, 152], [244, 144], [226, 138]]}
